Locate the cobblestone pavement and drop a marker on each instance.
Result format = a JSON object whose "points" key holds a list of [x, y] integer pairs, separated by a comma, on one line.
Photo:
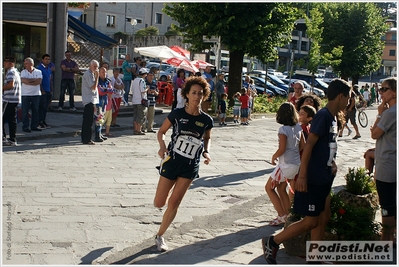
{"points": [[68, 203]]}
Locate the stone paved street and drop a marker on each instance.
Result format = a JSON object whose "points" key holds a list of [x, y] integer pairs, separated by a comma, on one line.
{"points": [[68, 203]]}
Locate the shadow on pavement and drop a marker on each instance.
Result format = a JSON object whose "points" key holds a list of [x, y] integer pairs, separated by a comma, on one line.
{"points": [[203, 251], [223, 180], [87, 259]]}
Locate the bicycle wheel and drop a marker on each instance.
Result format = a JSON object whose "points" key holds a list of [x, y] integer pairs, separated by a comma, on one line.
{"points": [[363, 120]]}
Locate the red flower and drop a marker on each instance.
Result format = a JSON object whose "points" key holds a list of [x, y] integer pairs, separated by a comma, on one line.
{"points": [[341, 211]]}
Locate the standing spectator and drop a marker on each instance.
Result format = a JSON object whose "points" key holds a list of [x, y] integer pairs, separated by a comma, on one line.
{"points": [[118, 86], [45, 88], [11, 99], [377, 95], [222, 107], [309, 99], [104, 89], [236, 107], [178, 82], [290, 143], [175, 89], [127, 78], [139, 91], [191, 127], [252, 94], [351, 115], [298, 91], [51, 65], [208, 77], [152, 95], [89, 99], [316, 175], [220, 87], [244, 99], [384, 131], [366, 96], [373, 93], [69, 68], [136, 67], [31, 79]]}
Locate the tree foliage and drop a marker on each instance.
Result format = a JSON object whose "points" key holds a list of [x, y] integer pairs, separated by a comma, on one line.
{"points": [[358, 29], [149, 31], [255, 29]]}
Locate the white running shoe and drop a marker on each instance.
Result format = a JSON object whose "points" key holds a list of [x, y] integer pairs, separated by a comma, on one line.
{"points": [[160, 243]]}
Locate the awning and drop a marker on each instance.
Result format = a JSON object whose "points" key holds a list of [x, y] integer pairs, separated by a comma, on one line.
{"points": [[87, 33]]}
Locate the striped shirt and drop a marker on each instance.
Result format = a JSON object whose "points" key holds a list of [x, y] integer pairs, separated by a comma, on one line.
{"points": [[237, 103], [13, 95]]}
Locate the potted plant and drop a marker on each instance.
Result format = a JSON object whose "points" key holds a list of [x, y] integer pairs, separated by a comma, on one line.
{"points": [[350, 221], [360, 190]]}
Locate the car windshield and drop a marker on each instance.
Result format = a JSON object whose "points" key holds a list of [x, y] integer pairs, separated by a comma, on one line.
{"points": [[275, 79], [322, 83]]}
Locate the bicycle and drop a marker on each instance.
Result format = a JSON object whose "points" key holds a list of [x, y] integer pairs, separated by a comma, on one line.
{"points": [[361, 115]]}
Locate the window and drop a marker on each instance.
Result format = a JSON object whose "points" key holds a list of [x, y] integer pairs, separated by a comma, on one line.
{"points": [[110, 21], [304, 46], [83, 18], [392, 53], [158, 18], [294, 44], [393, 37]]}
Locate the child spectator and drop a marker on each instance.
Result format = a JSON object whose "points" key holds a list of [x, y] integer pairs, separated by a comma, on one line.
{"points": [[222, 109], [316, 176], [305, 116], [244, 99], [236, 107], [291, 141], [108, 113]]}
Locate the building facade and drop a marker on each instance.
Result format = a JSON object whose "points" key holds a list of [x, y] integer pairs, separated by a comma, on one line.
{"points": [[389, 56]]}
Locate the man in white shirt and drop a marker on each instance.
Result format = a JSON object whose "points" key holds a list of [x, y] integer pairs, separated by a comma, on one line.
{"points": [[139, 91], [31, 78]]}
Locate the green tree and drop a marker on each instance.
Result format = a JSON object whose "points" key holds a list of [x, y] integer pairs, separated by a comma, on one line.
{"points": [[255, 29], [358, 29], [174, 31], [149, 31], [314, 30]]}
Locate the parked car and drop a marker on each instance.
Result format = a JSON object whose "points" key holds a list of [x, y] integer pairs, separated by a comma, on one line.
{"points": [[307, 77], [164, 70], [157, 65], [260, 82], [259, 89], [271, 78], [329, 76]]}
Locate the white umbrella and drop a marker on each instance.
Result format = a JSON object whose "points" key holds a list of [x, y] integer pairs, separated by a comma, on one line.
{"points": [[162, 52]]}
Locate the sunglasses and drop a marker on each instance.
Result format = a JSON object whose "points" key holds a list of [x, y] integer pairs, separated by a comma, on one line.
{"points": [[383, 89]]}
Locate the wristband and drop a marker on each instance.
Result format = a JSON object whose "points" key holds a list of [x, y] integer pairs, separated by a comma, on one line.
{"points": [[203, 152], [378, 116]]}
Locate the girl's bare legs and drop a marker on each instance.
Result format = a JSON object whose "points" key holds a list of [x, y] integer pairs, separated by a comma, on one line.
{"points": [[274, 198], [164, 186]]}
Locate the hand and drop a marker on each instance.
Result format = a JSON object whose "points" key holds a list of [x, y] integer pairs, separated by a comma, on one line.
{"points": [[301, 184], [274, 158], [382, 107], [207, 158], [162, 152]]}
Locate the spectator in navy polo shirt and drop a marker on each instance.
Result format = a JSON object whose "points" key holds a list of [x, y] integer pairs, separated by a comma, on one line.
{"points": [[45, 89], [69, 68]]}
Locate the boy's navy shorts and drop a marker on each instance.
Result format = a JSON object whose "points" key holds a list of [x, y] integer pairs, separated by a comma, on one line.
{"points": [[172, 168], [311, 203]]}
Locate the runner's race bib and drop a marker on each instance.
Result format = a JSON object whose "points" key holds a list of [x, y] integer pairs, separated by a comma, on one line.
{"points": [[187, 146]]}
